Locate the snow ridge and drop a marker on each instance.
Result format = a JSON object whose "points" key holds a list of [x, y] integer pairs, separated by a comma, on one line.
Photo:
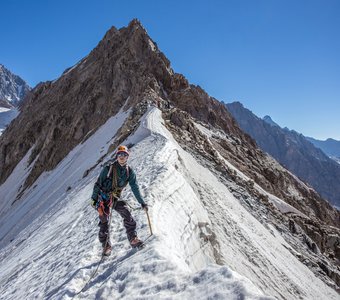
{"points": [[205, 246]]}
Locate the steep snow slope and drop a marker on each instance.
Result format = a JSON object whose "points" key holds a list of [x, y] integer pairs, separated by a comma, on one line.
{"points": [[50, 188], [206, 245]]}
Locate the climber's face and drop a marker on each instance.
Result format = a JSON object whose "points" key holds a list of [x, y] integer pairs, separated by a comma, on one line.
{"points": [[122, 158]]}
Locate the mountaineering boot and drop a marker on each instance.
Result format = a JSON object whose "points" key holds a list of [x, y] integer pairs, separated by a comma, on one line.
{"points": [[136, 243], [107, 249]]}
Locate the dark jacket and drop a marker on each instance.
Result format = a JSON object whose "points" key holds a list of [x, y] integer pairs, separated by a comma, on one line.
{"points": [[125, 175]]}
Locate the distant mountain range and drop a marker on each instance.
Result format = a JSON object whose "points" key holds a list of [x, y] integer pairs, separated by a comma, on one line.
{"points": [[13, 88], [330, 146], [293, 150]]}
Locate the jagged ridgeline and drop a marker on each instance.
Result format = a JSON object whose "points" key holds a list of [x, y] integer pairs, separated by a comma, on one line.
{"points": [[125, 71]]}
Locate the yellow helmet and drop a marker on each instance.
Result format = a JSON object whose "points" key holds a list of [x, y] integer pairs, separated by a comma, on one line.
{"points": [[123, 149]]}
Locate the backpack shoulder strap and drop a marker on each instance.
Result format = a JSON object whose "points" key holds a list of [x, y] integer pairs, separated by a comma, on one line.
{"points": [[111, 166], [128, 170], [114, 176]]}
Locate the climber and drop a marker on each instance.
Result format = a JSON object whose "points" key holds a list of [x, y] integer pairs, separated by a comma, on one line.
{"points": [[106, 194]]}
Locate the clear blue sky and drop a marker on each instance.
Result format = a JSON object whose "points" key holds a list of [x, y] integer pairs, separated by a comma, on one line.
{"points": [[277, 57]]}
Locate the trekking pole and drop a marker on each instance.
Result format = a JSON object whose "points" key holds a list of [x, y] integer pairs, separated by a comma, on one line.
{"points": [[147, 214]]}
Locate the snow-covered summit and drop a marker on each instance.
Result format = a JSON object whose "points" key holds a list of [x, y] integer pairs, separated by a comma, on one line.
{"points": [[206, 245]]}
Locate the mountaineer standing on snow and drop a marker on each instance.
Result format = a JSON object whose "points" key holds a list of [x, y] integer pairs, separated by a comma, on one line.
{"points": [[106, 194]]}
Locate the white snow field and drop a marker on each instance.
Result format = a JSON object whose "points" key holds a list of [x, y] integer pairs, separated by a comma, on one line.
{"points": [[205, 244], [6, 116]]}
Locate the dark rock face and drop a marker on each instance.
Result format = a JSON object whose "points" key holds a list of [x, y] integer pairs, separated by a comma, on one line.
{"points": [[294, 152], [12, 88]]}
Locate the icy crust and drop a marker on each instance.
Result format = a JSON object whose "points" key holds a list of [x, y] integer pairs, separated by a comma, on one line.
{"points": [[205, 244]]}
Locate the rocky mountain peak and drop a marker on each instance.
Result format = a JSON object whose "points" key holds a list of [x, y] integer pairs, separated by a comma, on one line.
{"points": [[129, 33], [135, 26]]}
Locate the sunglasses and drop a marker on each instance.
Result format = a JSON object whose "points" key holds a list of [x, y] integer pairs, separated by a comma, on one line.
{"points": [[122, 154]]}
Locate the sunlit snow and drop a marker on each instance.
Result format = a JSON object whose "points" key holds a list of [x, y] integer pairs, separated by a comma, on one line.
{"points": [[206, 245]]}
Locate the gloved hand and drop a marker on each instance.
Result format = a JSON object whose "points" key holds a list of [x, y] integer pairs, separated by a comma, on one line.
{"points": [[145, 206], [94, 203]]}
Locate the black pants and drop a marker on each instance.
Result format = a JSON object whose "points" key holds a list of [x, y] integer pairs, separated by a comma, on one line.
{"points": [[129, 222]]}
